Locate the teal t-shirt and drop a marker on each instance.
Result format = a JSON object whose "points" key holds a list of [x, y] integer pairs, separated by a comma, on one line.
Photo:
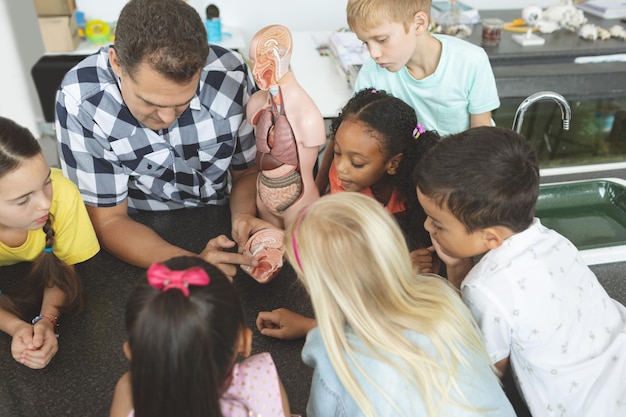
{"points": [[462, 84]]}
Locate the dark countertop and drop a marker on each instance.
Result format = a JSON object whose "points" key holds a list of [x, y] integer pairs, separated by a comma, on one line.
{"points": [[613, 278], [560, 46], [523, 70]]}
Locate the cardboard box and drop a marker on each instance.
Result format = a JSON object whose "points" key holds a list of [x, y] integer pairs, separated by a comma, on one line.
{"points": [[46, 8], [59, 33]]}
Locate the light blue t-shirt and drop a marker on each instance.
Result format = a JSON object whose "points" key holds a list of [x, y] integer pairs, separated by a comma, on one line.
{"points": [[328, 397], [462, 84]]}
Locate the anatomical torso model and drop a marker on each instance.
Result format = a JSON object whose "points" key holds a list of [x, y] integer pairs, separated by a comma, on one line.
{"points": [[289, 130]]}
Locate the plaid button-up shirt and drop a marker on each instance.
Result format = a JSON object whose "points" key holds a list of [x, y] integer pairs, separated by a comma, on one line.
{"points": [[111, 156]]}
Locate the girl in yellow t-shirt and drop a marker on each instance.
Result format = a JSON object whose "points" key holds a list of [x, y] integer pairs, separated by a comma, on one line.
{"points": [[42, 220]]}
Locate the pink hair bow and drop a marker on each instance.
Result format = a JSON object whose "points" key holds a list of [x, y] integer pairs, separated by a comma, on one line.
{"points": [[162, 278]]}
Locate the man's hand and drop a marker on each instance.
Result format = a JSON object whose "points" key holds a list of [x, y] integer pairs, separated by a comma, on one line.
{"points": [[244, 226], [227, 262], [284, 324]]}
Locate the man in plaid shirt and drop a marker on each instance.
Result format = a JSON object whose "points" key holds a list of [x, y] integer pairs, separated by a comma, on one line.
{"points": [[157, 122]]}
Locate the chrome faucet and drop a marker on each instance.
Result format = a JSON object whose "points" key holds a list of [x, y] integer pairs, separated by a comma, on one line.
{"points": [[566, 111]]}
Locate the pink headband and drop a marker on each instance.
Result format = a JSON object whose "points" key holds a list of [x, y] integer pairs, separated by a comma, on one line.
{"points": [[294, 241], [162, 278]]}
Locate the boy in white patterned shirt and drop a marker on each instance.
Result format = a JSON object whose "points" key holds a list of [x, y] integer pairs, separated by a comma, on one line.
{"points": [[539, 306]]}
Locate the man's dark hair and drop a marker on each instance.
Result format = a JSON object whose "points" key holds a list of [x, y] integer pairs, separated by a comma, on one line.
{"points": [[168, 35]]}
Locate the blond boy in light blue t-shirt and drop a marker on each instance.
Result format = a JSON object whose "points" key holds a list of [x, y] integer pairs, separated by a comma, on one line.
{"points": [[448, 81]]}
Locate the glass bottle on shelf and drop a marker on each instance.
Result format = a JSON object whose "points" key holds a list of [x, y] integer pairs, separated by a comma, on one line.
{"points": [[455, 23]]}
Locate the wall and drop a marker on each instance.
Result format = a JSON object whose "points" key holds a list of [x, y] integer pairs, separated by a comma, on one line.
{"points": [[21, 44], [296, 14], [20, 48]]}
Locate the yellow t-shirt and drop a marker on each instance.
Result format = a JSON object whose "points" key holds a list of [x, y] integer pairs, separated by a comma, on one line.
{"points": [[74, 238]]}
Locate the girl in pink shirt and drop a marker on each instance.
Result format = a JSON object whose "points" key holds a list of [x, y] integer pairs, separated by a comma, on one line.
{"points": [[185, 332]]}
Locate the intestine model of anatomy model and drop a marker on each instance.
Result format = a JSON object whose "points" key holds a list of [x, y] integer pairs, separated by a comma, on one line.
{"points": [[267, 247], [288, 127]]}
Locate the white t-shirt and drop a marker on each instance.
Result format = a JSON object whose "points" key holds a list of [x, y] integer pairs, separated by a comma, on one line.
{"points": [[539, 304]]}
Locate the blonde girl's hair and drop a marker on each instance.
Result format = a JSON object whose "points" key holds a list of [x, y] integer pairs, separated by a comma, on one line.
{"points": [[353, 260], [371, 13]]}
